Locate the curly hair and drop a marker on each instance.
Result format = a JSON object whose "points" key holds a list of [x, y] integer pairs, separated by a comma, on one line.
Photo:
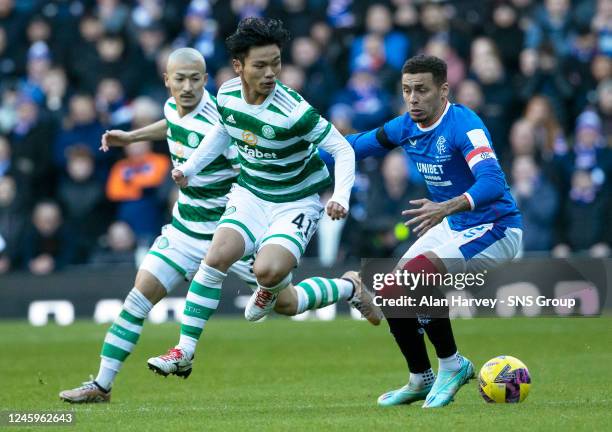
{"points": [[256, 32]]}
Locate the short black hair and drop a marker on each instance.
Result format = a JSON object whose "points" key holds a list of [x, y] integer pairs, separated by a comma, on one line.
{"points": [[424, 64], [256, 32]]}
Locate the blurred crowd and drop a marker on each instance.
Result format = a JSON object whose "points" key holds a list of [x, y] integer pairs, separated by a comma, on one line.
{"points": [[539, 73]]}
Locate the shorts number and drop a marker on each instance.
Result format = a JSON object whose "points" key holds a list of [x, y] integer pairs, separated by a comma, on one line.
{"points": [[299, 222]]}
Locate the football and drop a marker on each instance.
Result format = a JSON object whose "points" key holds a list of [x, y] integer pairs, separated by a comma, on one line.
{"points": [[504, 379]]}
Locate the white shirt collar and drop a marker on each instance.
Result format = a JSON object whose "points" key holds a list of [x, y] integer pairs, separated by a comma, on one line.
{"points": [[435, 125]]}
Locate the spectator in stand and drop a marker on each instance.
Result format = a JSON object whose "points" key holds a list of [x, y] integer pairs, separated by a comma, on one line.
{"points": [[320, 77], [55, 87], [48, 245], [550, 139], [578, 68], [224, 74], [506, 32], [586, 215], [589, 152], [455, 67], [548, 79], [601, 24], [396, 45], [522, 140], [436, 23], [293, 77], [118, 246], [112, 105], [131, 184], [538, 201], [11, 61], [373, 59], [470, 94], [30, 148], [38, 65], [11, 20], [298, 15], [12, 223], [113, 15], [151, 39], [84, 57], [497, 111], [82, 199], [200, 32], [370, 103], [552, 22], [81, 126], [604, 109]]}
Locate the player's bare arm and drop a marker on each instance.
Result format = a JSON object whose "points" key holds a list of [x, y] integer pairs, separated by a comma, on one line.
{"points": [[118, 138]]}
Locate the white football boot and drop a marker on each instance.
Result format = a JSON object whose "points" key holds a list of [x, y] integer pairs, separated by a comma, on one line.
{"points": [[174, 362], [260, 304]]}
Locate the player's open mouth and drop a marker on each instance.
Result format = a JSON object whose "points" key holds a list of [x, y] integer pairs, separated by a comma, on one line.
{"points": [[268, 84]]}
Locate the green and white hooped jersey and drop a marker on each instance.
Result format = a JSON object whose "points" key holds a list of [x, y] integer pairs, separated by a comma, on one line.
{"points": [[201, 204], [276, 141]]}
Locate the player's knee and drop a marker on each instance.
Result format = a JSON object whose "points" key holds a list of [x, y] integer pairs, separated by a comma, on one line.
{"points": [[269, 274], [219, 260]]}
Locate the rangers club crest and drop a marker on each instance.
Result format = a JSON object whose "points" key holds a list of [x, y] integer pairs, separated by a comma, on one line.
{"points": [[441, 145]]}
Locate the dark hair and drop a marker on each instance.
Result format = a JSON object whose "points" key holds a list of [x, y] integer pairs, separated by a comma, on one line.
{"points": [[424, 64], [256, 32]]}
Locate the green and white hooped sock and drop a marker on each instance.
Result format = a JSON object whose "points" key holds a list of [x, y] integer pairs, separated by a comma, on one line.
{"points": [[122, 337], [201, 302], [317, 292]]}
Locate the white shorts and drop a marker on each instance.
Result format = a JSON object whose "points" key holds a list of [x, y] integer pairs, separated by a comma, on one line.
{"points": [[474, 249], [261, 222], [175, 258]]}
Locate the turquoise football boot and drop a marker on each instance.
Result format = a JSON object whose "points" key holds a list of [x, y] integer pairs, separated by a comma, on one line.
{"points": [[404, 395], [448, 383]]}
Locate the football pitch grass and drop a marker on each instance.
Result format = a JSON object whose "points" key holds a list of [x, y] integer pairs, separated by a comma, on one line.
{"points": [[284, 375]]}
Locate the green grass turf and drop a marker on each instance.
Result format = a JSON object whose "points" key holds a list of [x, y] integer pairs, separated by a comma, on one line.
{"points": [[284, 375]]}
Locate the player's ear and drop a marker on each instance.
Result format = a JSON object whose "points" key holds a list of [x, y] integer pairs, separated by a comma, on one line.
{"points": [[205, 79], [237, 66], [444, 90], [166, 80]]}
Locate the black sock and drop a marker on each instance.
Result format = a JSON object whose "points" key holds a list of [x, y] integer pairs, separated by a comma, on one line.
{"points": [[409, 337], [440, 334]]}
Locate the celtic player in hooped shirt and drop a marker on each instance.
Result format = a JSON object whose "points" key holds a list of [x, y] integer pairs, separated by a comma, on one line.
{"points": [[174, 258], [274, 208]]}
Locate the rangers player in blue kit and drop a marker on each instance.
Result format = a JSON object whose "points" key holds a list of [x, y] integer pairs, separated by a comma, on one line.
{"points": [[471, 222]]}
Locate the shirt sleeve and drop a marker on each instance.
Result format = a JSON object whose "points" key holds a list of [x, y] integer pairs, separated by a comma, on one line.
{"points": [[344, 172], [376, 142], [475, 145], [216, 141]]}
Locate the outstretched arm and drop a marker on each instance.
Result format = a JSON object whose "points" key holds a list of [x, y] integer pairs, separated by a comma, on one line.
{"points": [[214, 143], [375, 142], [118, 138]]}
